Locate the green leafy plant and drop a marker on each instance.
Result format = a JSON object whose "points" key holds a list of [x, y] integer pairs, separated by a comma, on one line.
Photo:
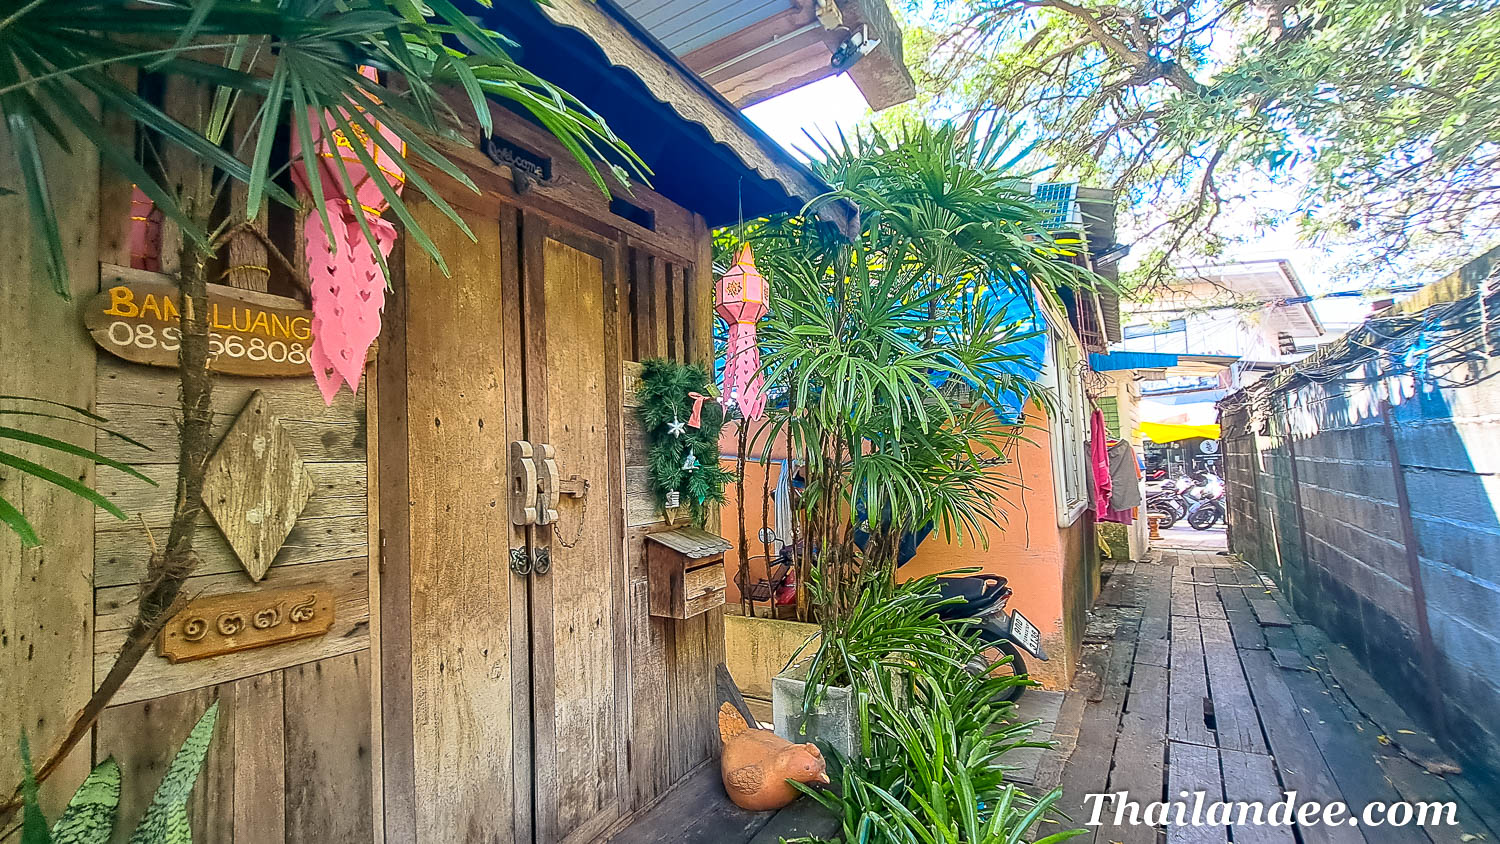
{"points": [[90, 816], [937, 772], [294, 57], [891, 626], [664, 402], [934, 727], [24, 407], [885, 348]]}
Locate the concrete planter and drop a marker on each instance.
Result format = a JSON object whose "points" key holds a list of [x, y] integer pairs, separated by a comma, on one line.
{"points": [[833, 722], [757, 649]]}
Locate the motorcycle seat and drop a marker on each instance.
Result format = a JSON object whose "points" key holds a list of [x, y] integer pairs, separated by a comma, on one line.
{"points": [[975, 594]]}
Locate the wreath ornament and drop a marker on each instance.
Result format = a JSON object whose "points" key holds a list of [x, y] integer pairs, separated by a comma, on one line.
{"points": [[683, 457]]}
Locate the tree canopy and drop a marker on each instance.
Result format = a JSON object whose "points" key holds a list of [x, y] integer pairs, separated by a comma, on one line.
{"points": [[1382, 115]]}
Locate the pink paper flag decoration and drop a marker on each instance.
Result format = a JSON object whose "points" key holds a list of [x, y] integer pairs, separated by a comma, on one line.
{"points": [[348, 287], [740, 300]]}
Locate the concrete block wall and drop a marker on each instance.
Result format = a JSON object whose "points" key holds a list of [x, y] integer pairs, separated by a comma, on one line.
{"points": [[1336, 543]]}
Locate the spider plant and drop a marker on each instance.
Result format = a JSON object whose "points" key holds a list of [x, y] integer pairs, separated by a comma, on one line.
{"points": [[295, 56], [937, 776]]}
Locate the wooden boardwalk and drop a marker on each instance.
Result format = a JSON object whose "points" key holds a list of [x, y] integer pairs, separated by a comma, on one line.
{"points": [[1197, 677]]}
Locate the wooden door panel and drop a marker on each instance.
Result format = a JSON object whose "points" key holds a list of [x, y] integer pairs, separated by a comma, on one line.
{"points": [[466, 714], [576, 633]]}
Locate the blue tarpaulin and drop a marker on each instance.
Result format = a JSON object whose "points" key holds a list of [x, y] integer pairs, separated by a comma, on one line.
{"points": [[1131, 360], [1025, 343]]}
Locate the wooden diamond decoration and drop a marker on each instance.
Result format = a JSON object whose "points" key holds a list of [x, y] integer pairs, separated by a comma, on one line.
{"points": [[256, 486]]}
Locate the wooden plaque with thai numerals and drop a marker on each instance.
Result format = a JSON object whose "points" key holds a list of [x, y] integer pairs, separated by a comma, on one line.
{"points": [[223, 624]]}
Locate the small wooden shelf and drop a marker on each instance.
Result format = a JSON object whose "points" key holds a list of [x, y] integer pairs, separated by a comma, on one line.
{"points": [[686, 570]]}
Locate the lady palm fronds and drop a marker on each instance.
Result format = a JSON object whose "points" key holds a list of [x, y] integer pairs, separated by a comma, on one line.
{"points": [[294, 55], [16, 408], [886, 347]]}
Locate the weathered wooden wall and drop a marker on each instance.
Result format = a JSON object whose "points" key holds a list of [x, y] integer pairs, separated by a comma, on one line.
{"points": [[665, 311], [291, 759], [46, 599], [300, 751], [292, 752]]}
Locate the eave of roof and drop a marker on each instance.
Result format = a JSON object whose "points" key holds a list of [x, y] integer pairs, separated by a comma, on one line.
{"points": [[588, 36]]}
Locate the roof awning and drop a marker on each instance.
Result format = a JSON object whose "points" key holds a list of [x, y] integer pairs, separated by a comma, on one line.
{"points": [[1161, 432], [705, 155], [1172, 364]]}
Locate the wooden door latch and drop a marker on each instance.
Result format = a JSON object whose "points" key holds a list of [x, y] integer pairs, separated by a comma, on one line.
{"points": [[536, 485]]}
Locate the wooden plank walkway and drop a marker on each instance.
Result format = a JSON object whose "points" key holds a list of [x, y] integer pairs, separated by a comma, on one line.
{"points": [[1197, 676]]}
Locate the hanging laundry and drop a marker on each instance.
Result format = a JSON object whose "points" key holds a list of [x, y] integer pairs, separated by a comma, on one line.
{"points": [[1099, 461], [1124, 474]]}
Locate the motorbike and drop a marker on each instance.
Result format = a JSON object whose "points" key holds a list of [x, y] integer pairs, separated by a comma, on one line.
{"points": [[983, 597], [1166, 503], [1170, 500], [1207, 508]]}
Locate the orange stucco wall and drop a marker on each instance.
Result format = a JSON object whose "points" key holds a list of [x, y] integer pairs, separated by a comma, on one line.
{"points": [[1028, 549]]}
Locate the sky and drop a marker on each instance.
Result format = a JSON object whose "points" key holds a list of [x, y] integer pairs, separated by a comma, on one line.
{"points": [[821, 108], [835, 103]]}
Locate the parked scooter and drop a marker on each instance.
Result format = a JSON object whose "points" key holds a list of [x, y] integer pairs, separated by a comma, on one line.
{"points": [[1170, 500], [1166, 503], [982, 597], [1207, 507]]}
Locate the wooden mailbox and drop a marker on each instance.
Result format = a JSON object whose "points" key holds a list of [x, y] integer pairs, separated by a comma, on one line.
{"points": [[686, 567]]}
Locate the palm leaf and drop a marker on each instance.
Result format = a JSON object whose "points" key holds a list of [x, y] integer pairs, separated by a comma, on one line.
{"points": [[52, 55], [33, 822], [9, 513]]}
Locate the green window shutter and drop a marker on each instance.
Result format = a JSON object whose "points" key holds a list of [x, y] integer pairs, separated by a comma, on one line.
{"points": [[1110, 407]]}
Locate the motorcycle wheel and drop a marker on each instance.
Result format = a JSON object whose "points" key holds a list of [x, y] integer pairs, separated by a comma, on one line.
{"points": [[1168, 513], [997, 647], [1203, 518]]}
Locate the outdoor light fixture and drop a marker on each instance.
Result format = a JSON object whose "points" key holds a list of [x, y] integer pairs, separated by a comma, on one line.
{"points": [[1112, 254], [858, 45]]}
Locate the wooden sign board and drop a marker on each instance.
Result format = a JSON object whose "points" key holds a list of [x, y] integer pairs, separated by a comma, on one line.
{"points": [[137, 317], [223, 624]]}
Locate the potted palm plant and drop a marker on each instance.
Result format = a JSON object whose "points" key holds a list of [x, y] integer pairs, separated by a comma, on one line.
{"points": [[887, 356]]}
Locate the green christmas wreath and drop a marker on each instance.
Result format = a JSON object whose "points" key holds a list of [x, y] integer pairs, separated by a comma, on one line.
{"points": [[682, 459]]}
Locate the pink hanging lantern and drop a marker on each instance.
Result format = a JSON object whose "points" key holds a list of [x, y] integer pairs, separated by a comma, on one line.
{"points": [[740, 300], [348, 287]]}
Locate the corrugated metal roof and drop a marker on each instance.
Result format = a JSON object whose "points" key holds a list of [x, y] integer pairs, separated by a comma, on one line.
{"points": [[685, 25], [700, 147]]}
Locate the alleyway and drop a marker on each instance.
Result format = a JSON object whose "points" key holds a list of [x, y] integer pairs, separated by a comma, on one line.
{"points": [[1197, 677]]}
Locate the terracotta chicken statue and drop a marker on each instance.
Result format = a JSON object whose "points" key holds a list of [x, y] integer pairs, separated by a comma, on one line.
{"points": [[757, 764]]}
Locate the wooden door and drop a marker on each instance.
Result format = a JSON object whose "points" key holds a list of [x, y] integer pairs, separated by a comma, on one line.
{"points": [[453, 617], [577, 606]]}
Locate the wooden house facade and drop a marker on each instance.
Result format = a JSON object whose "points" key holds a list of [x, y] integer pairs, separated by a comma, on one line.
{"points": [[473, 680]]}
